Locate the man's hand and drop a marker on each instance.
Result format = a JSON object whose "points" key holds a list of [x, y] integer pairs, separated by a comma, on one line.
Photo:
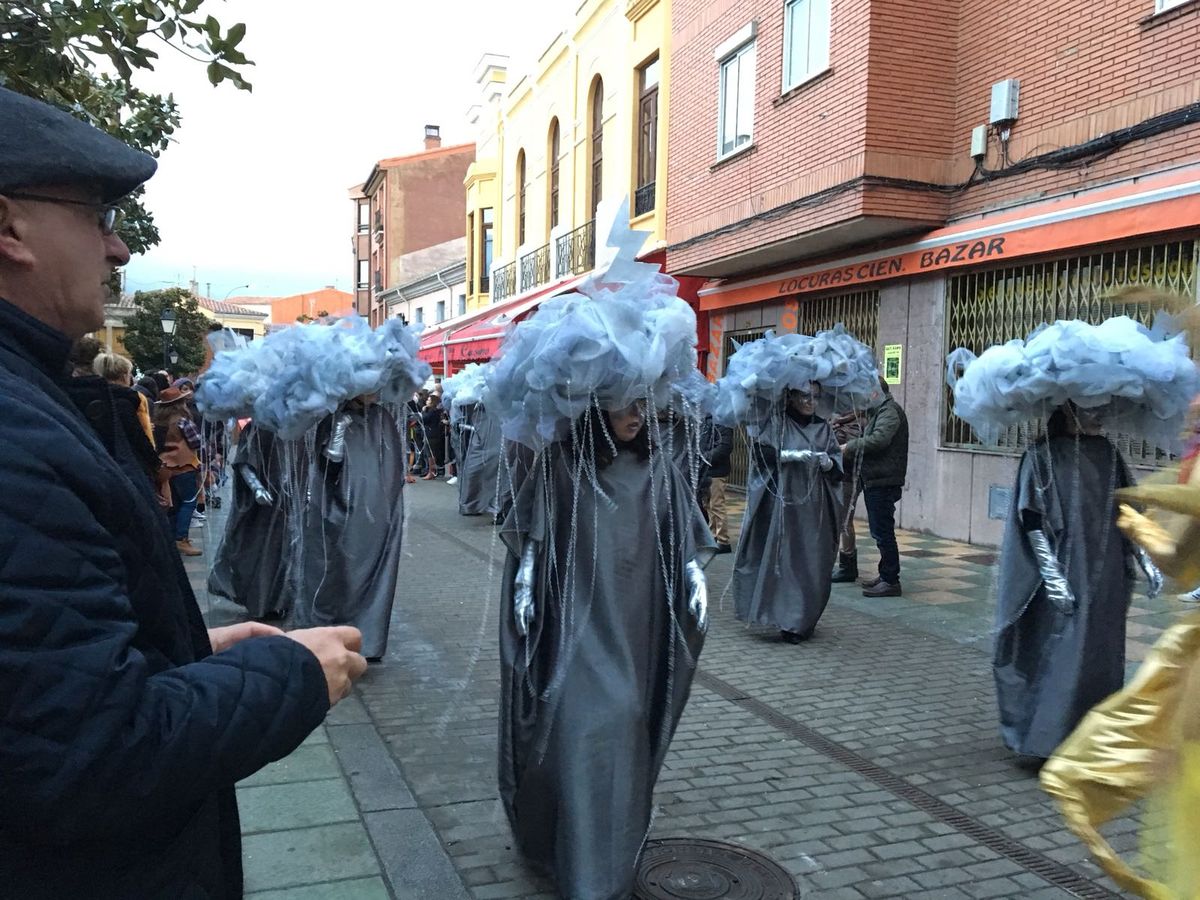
{"points": [[225, 637], [842, 449], [336, 649]]}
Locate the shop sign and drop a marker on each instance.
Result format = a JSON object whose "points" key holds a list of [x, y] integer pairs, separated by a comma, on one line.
{"points": [[917, 262]]}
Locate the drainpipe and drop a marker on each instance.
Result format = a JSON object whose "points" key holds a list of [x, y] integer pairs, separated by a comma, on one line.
{"points": [[445, 346]]}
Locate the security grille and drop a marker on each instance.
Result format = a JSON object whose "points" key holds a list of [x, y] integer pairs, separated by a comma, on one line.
{"points": [[858, 311], [992, 307]]}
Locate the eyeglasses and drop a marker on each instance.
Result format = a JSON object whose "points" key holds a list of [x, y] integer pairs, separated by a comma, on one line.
{"points": [[109, 216]]}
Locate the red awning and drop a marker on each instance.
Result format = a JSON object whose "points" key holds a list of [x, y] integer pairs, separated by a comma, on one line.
{"points": [[477, 337]]}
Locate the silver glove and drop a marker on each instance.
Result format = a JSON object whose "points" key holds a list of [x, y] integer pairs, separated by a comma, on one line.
{"points": [[1154, 577], [262, 496], [795, 455], [335, 450], [1053, 579], [523, 595], [824, 461], [697, 594]]}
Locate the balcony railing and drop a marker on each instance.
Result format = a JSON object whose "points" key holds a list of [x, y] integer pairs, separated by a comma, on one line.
{"points": [[535, 268], [504, 282], [576, 251], [643, 200]]}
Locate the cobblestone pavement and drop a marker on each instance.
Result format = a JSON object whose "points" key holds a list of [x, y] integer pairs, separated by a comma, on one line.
{"points": [[865, 761]]}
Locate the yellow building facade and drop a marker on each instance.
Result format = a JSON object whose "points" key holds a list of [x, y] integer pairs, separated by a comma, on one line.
{"points": [[587, 123]]}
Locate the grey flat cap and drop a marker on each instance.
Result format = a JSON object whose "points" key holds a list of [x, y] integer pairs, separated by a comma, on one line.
{"points": [[41, 145]]}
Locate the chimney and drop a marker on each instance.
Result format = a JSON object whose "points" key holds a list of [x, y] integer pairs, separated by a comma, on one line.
{"points": [[433, 137]]}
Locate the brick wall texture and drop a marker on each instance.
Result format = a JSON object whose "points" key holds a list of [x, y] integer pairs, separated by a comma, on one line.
{"points": [[907, 82]]}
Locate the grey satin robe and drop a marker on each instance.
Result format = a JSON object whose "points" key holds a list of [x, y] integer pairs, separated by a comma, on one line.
{"points": [[590, 699], [784, 567], [1051, 668], [481, 481], [352, 528], [251, 566]]}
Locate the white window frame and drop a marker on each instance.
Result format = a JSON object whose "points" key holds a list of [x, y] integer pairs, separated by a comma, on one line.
{"points": [[822, 64], [1161, 6], [736, 48]]}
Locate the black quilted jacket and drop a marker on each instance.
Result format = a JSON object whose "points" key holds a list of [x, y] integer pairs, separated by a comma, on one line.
{"points": [[121, 735]]}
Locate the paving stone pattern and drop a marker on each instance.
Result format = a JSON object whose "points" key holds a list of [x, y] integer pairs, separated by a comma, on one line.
{"points": [[396, 795]]}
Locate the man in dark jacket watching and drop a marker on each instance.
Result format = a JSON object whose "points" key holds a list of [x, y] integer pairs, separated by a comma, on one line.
{"points": [[124, 724], [883, 449], [717, 449]]}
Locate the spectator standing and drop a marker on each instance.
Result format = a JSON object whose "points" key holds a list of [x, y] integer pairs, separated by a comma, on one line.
{"points": [[124, 724], [83, 355], [718, 448], [434, 421], [883, 468], [133, 410], [848, 427], [178, 448]]}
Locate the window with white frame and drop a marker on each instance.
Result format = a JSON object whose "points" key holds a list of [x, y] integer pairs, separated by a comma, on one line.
{"points": [[1164, 5], [736, 94], [420, 314], [805, 40]]}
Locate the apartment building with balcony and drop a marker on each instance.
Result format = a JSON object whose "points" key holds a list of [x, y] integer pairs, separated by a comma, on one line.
{"points": [[936, 174], [407, 204], [585, 124]]}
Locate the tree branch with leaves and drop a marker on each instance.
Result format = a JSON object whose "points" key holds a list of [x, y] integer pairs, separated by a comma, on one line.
{"points": [[54, 50]]}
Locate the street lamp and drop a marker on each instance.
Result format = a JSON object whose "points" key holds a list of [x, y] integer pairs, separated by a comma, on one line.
{"points": [[231, 290], [173, 355], [167, 319]]}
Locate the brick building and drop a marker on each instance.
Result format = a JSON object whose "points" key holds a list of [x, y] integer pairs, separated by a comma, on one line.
{"points": [[407, 203], [824, 168]]}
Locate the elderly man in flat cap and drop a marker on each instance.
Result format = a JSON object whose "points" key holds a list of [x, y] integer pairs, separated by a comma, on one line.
{"points": [[124, 724]]}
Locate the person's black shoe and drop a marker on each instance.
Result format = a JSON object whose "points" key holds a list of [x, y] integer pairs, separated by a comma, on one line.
{"points": [[847, 570], [883, 589], [790, 637], [871, 582], [723, 548]]}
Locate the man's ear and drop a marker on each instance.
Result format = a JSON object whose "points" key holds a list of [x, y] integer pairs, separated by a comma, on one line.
{"points": [[14, 235]]}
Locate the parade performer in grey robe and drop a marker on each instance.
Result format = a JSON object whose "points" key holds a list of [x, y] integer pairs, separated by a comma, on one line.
{"points": [[773, 386], [1066, 571], [251, 567], [481, 482], [353, 524], [1064, 587], [482, 475], [329, 392], [604, 599], [784, 568]]}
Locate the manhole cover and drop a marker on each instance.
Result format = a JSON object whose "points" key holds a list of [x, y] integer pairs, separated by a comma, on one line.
{"points": [[688, 869]]}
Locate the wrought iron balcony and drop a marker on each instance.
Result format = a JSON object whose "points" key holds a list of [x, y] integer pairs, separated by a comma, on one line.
{"points": [[535, 268], [504, 283], [576, 251], [643, 200]]}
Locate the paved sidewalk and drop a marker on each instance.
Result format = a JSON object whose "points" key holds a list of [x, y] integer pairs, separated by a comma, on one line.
{"points": [[866, 761]]}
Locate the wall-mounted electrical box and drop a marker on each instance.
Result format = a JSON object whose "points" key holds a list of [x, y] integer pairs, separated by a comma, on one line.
{"points": [[1005, 95], [979, 136]]}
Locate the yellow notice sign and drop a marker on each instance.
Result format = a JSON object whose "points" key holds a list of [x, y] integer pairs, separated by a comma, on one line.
{"points": [[893, 361]]}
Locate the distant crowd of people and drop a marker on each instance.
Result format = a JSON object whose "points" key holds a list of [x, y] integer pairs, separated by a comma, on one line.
{"points": [[179, 452]]}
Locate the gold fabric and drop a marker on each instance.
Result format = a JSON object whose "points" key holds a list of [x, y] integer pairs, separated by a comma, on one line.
{"points": [[1170, 533], [1142, 743]]}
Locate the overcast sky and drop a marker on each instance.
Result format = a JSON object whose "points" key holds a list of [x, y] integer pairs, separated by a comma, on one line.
{"points": [[254, 189]]}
